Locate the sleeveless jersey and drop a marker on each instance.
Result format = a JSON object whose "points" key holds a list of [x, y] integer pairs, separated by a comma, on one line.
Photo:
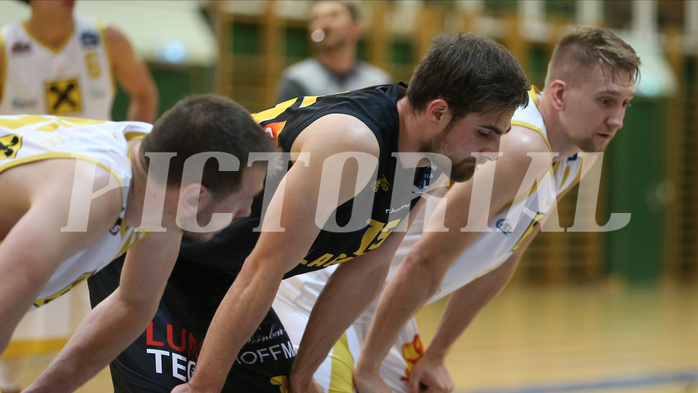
{"points": [[74, 80], [375, 107], [31, 138], [513, 224]]}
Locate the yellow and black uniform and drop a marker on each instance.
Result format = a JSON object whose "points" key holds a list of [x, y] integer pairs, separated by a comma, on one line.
{"points": [[204, 271]]}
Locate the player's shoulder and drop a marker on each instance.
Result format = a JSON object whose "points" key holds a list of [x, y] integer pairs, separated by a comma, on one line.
{"points": [[521, 140], [339, 132]]}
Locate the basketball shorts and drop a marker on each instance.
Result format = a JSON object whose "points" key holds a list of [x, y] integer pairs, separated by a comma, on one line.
{"points": [[165, 355]]}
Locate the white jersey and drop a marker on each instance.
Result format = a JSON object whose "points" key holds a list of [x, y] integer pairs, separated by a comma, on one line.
{"points": [[73, 80], [297, 295], [513, 224], [31, 138]]}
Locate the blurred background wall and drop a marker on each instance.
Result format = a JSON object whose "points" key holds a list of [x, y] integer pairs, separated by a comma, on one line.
{"points": [[239, 48]]}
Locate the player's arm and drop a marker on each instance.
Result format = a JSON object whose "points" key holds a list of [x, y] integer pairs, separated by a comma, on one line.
{"points": [[424, 267], [463, 305], [34, 245], [351, 288], [133, 76], [117, 321], [251, 295]]}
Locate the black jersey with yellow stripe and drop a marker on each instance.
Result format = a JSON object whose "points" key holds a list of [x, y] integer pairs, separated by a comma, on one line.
{"points": [[340, 240]]}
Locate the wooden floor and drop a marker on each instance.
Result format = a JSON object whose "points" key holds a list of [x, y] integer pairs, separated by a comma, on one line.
{"points": [[607, 339], [579, 339]]}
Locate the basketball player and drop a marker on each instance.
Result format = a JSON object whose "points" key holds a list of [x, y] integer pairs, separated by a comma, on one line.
{"points": [[590, 82], [61, 64], [448, 108], [80, 190]]}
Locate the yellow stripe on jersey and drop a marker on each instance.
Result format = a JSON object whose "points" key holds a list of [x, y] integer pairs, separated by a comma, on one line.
{"points": [[83, 277], [53, 122], [308, 100], [342, 367], [103, 33], [519, 198], [132, 136], [50, 156], [539, 216], [272, 113], [533, 95]]}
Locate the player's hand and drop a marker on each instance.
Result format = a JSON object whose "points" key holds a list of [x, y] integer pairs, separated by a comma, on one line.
{"points": [[369, 382], [430, 375]]}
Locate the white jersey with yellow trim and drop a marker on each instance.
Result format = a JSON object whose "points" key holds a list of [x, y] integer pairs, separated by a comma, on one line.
{"points": [[31, 138], [511, 225], [73, 80]]}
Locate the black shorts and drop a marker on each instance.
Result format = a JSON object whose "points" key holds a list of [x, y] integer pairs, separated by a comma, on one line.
{"points": [[165, 354]]}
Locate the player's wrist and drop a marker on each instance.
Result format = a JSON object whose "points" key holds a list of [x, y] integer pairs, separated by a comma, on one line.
{"points": [[436, 353], [365, 367]]}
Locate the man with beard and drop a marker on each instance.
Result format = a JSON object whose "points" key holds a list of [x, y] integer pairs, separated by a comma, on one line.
{"points": [[323, 212], [590, 82], [334, 31]]}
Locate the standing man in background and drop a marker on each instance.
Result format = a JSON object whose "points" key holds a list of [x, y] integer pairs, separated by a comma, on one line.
{"points": [[334, 30], [60, 64]]}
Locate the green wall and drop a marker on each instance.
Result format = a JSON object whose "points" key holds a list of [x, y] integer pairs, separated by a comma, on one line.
{"points": [[173, 84], [635, 165]]}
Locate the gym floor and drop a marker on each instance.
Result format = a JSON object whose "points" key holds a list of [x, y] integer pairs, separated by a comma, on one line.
{"points": [[606, 338]]}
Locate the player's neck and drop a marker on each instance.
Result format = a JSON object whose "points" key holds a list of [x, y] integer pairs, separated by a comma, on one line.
{"points": [[150, 205], [411, 127], [559, 143], [339, 61], [51, 31]]}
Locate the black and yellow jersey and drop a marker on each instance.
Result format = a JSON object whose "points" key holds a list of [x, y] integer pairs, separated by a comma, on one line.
{"points": [[337, 242]]}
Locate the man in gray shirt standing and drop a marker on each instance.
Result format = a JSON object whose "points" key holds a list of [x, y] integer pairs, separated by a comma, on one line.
{"points": [[334, 30]]}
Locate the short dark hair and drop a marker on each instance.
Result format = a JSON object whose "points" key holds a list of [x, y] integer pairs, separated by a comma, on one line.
{"points": [[207, 123], [350, 5], [587, 46], [472, 72]]}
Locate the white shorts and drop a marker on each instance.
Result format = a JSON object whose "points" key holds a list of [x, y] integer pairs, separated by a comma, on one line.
{"points": [[296, 298], [335, 374]]}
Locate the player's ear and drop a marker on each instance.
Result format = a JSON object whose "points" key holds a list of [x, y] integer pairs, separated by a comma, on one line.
{"points": [[438, 111], [558, 93], [191, 197]]}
